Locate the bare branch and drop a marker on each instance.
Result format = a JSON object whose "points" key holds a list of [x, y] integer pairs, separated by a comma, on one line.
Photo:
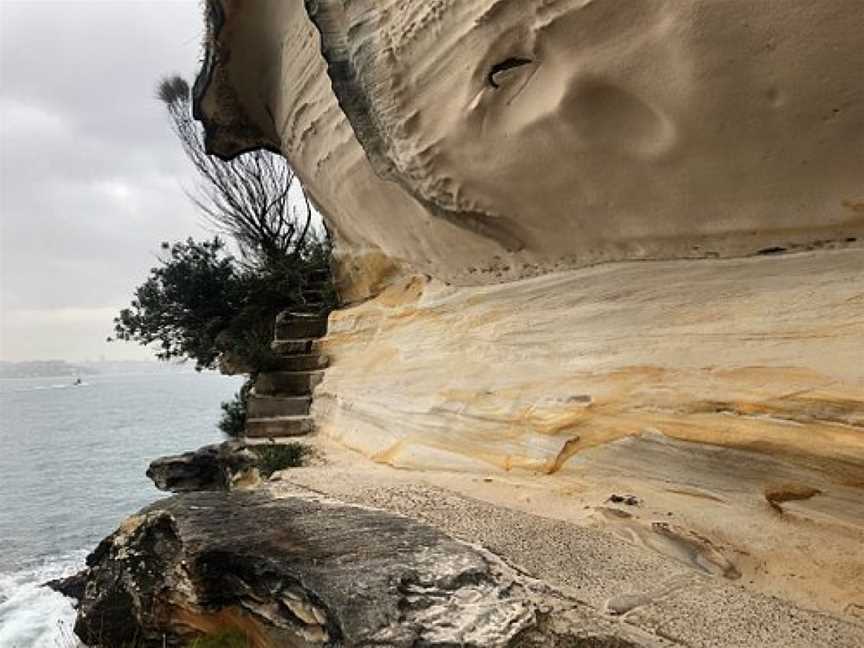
{"points": [[248, 198]]}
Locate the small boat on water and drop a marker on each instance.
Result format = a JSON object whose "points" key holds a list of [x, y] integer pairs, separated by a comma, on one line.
{"points": [[77, 381]]}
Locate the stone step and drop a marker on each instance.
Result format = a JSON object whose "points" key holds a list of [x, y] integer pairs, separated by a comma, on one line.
{"points": [[312, 301], [293, 347], [300, 328], [287, 383], [300, 362], [318, 311], [298, 313], [313, 295], [279, 426], [309, 308], [318, 276], [272, 406]]}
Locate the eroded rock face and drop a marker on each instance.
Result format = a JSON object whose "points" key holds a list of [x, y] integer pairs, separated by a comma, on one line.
{"points": [[482, 141], [304, 571]]}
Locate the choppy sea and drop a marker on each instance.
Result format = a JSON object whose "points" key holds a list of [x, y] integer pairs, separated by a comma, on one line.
{"points": [[72, 462]]}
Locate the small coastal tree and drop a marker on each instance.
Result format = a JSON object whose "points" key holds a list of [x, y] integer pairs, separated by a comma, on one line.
{"points": [[185, 303], [198, 303]]}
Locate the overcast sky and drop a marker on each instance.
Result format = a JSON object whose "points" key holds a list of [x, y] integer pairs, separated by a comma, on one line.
{"points": [[92, 178]]}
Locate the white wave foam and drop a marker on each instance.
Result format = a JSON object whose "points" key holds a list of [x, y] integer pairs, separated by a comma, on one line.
{"points": [[32, 616]]}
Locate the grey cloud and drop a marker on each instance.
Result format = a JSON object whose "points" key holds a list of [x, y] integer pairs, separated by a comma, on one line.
{"points": [[91, 178]]}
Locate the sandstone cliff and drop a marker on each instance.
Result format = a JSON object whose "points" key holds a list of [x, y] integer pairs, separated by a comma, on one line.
{"points": [[476, 162]]}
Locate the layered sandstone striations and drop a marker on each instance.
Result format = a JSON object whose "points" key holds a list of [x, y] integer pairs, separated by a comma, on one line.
{"points": [[727, 394], [489, 140]]}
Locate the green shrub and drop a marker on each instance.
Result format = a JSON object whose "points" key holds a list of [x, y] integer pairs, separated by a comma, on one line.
{"points": [[233, 421], [200, 301], [222, 640], [279, 457]]}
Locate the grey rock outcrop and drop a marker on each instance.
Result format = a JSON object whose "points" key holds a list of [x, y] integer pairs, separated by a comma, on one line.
{"points": [[215, 467], [306, 571]]}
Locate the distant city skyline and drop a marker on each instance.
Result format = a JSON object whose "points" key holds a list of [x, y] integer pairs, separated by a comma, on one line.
{"points": [[91, 177]]}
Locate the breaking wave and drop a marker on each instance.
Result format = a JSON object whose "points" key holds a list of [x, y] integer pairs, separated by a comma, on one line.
{"points": [[32, 616]]}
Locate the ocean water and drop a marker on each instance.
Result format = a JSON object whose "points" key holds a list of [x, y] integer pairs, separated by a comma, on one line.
{"points": [[72, 462]]}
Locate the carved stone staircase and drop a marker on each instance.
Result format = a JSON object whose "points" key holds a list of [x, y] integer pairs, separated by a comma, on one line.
{"points": [[279, 404]]}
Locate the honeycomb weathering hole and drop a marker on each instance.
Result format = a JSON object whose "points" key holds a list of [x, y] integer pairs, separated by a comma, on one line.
{"points": [[504, 66]]}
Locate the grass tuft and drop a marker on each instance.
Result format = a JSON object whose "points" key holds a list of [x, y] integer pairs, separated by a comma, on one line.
{"points": [[279, 457], [233, 421]]}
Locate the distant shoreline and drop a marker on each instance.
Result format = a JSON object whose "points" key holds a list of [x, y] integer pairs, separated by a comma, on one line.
{"points": [[64, 369]]}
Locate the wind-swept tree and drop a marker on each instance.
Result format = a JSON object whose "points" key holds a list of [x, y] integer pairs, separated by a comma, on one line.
{"points": [[255, 198]]}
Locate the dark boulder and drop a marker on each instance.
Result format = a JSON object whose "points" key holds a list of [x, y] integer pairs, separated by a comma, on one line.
{"points": [[217, 467]]}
